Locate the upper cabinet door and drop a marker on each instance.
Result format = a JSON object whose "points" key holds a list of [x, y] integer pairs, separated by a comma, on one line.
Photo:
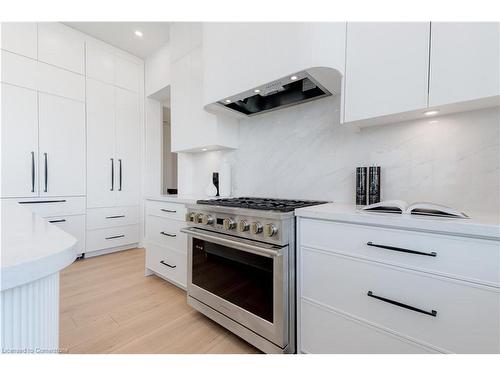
{"points": [[100, 64], [387, 68], [126, 74], [464, 62], [127, 163], [19, 142], [20, 38], [61, 145], [61, 46], [101, 186]]}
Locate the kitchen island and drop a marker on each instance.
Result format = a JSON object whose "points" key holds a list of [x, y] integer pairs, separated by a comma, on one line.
{"points": [[32, 254]]}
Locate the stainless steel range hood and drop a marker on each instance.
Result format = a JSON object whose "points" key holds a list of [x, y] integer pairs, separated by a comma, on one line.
{"points": [[293, 89]]}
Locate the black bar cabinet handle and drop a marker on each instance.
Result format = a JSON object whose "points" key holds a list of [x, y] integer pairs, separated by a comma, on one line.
{"points": [[416, 309], [402, 250], [171, 211], [166, 264], [112, 174], [46, 172], [114, 217], [32, 171], [168, 234], [49, 201], [120, 170], [113, 237], [57, 221]]}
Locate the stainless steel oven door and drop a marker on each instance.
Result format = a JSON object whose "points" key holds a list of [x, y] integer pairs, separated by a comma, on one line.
{"points": [[245, 280]]}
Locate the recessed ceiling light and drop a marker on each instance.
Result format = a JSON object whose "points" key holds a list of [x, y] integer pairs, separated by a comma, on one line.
{"points": [[204, 149], [431, 113], [138, 33], [227, 101], [294, 78], [256, 90]]}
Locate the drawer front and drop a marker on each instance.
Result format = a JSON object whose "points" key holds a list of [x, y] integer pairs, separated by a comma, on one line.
{"points": [[99, 239], [326, 332], [54, 206], [464, 258], [168, 263], [98, 218], [166, 232], [467, 314], [176, 211], [74, 225]]}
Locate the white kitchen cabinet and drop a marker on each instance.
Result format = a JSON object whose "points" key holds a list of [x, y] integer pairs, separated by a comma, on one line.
{"points": [[184, 37], [193, 128], [100, 144], [19, 70], [386, 69], [126, 74], [61, 145], [465, 62], [61, 46], [127, 147], [19, 142], [100, 63], [20, 38]]}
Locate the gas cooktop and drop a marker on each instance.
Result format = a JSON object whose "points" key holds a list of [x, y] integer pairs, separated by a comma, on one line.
{"points": [[267, 204]]}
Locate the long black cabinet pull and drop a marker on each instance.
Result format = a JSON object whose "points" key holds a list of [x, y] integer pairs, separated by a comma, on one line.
{"points": [[46, 172], [49, 201], [32, 171], [392, 302], [171, 211], [57, 221], [402, 250], [113, 237], [120, 170], [166, 264], [114, 217], [112, 174], [168, 234]]}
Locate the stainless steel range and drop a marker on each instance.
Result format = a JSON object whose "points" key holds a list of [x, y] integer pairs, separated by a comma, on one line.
{"points": [[241, 267]]}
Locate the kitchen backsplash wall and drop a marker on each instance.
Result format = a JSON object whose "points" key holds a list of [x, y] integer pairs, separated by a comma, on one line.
{"points": [[302, 152]]}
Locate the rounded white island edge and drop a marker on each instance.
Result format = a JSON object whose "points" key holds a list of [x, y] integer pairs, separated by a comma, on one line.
{"points": [[32, 254]]}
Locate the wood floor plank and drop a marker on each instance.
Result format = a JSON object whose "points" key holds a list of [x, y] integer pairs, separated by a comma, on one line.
{"points": [[108, 306]]}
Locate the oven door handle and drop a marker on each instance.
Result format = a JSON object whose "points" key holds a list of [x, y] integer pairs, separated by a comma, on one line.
{"points": [[271, 251]]}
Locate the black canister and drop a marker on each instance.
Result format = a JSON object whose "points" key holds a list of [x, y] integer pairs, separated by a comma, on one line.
{"points": [[373, 185], [361, 185], [215, 180]]}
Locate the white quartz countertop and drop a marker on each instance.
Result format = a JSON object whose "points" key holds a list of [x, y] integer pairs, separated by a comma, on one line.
{"points": [[31, 248], [479, 225], [184, 199]]}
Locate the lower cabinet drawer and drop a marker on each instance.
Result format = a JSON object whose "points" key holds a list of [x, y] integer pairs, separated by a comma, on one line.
{"points": [[169, 210], [99, 239], [54, 206], [466, 315], [166, 232], [74, 225], [326, 332], [168, 263], [98, 218]]}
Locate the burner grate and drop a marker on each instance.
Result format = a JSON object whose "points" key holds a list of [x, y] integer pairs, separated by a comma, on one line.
{"points": [[267, 204]]}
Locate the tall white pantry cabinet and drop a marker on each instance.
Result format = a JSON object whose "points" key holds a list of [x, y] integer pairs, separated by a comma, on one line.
{"points": [[68, 102]]}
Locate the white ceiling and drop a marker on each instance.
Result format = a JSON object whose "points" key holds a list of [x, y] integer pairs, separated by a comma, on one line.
{"points": [[121, 35]]}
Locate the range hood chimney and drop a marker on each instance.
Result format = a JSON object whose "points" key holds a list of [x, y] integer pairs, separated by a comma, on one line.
{"points": [[296, 88]]}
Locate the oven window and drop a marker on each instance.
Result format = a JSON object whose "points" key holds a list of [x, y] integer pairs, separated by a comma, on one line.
{"points": [[241, 278]]}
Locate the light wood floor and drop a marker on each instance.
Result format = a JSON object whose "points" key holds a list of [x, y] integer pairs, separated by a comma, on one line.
{"points": [[107, 305]]}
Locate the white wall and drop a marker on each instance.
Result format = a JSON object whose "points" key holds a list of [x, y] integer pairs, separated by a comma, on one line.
{"points": [[300, 152], [157, 70]]}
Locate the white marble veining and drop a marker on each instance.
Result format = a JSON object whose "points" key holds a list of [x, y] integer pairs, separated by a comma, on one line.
{"points": [[303, 152]]}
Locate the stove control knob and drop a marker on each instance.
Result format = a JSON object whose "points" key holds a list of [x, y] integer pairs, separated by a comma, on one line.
{"points": [[243, 226], [198, 218], [270, 230], [229, 223], [190, 216], [207, 219], [256, 227]]}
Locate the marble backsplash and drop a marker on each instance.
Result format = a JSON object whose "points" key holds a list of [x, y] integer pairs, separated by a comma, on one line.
{"points": [[301, 152]]}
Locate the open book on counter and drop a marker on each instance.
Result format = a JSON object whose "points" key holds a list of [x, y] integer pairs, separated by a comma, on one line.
{"points": [[418, 208]]}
